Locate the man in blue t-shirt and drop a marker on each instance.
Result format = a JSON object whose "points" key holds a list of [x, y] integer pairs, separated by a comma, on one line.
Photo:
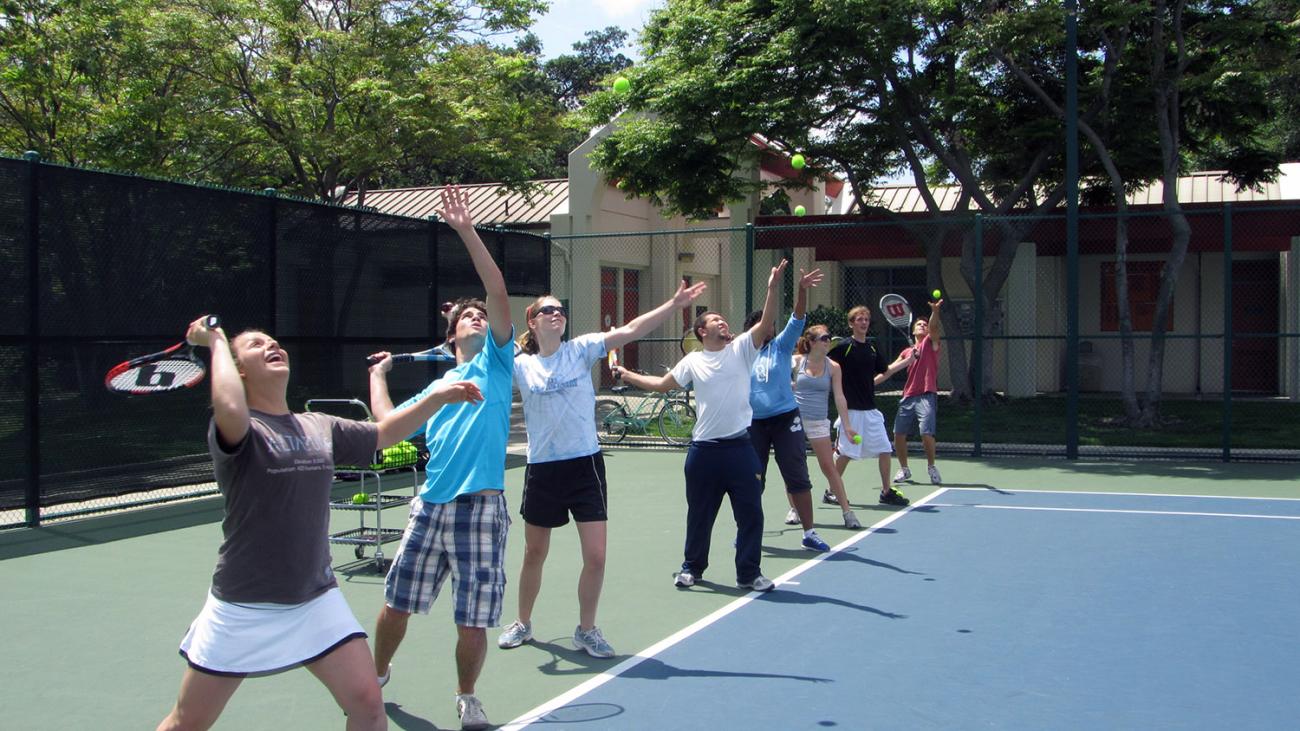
{"points": [[458, 524], [776, 425]]}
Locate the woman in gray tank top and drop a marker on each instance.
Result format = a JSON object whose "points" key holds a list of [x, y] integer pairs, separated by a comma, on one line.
{"points": [[816, 380]]}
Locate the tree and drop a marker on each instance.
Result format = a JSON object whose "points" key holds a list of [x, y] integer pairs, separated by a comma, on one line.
{"points": [[863, 88], [1192, 78], [577, 75]]}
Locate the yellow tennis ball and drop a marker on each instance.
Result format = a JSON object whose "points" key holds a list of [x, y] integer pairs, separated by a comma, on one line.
{"points": [[360, 499], [800, 210], [621, 85], [936, 294], [857, 438], [797, 161]]}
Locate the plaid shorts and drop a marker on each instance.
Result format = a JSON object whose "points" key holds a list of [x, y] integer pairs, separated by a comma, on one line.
{"points": [[464, 539]]}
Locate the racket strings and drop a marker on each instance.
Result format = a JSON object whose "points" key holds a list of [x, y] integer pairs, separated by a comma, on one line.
{"points": [[163, 375]]}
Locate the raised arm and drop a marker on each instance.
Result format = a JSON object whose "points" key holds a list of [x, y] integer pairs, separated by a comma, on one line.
{"points": [[837, 393], [645, 323], [896, 366], [455, 211], [935, 322], [381, 404], [397, 425], [229, 402], [756, 333], [807, 280], [662, 384]]}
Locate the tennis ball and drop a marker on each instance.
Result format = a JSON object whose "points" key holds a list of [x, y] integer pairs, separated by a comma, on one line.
{"points": [[936, 294], [797, 162], [621, 85], [800, 210], [360, 499], [857, 438]]}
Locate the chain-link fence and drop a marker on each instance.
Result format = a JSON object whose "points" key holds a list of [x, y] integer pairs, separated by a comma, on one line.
{"points": [[1022, 371], [96, 268]]}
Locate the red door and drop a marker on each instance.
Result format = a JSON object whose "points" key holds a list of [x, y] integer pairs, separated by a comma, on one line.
{"points": [[1254, 312]]}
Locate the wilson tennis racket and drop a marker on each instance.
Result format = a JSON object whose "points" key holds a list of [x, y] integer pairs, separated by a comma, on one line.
{"points": [[437, 353], [898, 313], [167, 370]]}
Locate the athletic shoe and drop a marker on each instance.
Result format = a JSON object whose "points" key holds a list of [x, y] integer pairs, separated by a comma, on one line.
{"points": [[471, 713], [383, 679], [792, 517], [902, 474], [685, 579], [758, 583], [515, 635], [893, 497], [851, 520], [934, 476], [592, 641], [829, 499], [813, 542]]}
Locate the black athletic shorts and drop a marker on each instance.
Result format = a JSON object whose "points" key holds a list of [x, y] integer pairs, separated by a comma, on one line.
{"points": [[552, 490]]}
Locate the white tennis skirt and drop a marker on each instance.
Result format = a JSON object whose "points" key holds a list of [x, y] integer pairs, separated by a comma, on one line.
{"points": [[261, 638]]}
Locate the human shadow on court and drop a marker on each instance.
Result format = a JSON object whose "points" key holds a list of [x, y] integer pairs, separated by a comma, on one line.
{"points": [[787, 595], [655, 669], [578, 713], [586, 664], [406, 721], [854, 553]]}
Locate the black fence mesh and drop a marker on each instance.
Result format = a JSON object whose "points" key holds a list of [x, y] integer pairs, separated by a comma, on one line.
{"points": [[124, 263]]}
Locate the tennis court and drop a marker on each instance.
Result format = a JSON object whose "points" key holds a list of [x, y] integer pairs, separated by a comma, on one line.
{"points": [[1025, 594]]}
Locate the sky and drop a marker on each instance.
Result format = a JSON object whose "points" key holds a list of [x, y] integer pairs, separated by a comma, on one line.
{"points": [[567, 21]]}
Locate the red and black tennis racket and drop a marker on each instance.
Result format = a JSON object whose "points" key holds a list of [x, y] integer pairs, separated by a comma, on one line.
{"points": [[168, 370]]}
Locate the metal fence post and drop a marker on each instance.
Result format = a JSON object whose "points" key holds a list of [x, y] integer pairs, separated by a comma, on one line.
{"points": [[1227, 332], [272, 255], [749, 268], [977, 348], [31, 391]]}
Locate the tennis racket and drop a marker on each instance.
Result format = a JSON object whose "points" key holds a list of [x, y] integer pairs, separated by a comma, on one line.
{"points": [[167, 370], [898, 313], [437, 353], [690, 343]]}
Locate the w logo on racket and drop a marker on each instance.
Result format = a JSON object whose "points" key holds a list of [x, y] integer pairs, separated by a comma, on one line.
{"points": [[895, 310]]}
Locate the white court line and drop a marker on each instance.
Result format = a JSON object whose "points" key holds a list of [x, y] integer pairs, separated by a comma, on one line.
{"points": [[1115, 510], [1128, 494], [591, 684]]}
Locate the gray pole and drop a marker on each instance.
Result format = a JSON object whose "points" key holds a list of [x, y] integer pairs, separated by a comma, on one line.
{"points": [[1071, 230]]}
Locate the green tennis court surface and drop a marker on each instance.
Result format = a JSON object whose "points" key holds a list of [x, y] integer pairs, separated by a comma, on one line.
{"points": [[93, 611]]}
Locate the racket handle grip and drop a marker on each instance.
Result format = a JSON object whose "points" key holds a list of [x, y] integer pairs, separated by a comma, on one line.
{"points": [[373, 359], [212, 321]]}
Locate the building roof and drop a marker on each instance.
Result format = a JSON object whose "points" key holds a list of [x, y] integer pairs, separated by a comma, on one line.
{"points": [[1207, 186], [490, 204]]}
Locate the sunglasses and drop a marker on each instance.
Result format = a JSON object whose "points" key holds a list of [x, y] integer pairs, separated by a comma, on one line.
{"points": [[823, 338], [549, 310]]}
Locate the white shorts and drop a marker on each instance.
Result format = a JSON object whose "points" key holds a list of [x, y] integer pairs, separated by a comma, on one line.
{"points": [[817, 428], [262, 638], [870, 425]]}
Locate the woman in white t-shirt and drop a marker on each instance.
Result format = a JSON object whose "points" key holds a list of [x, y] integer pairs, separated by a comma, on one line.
{"points": [[566, 472]]}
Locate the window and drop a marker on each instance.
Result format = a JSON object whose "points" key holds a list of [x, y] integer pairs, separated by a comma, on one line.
{"points": [[1143, 290]]}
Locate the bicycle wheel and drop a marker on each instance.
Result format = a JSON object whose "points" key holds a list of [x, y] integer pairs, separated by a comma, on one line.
{"points": [[676, 421], [611, 421]]}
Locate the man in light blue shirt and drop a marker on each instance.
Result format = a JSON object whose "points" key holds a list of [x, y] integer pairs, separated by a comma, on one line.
{"points": [[458, 524], [776, 425]]}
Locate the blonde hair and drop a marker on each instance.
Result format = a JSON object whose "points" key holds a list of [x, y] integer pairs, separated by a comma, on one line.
{"points": [[858, 310], [804, 346]]}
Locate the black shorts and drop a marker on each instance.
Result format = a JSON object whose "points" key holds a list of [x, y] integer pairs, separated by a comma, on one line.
{"points": [[552, 490]]}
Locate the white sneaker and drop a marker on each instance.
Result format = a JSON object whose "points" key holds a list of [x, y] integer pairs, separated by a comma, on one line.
{"points": [[851, 520], [383, 679], [934, 476], [592, 641], [685, 579], [758, 583], [515, 635], [471, 713], [902, 474], [792, 517]]}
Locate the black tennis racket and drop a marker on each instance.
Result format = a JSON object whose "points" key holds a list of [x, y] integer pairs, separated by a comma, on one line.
{"points": [[437, 353], [898, 313], [167, 370]]}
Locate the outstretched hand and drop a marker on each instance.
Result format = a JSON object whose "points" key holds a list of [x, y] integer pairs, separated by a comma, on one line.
{"points": [[935, 305], [688, 294], [810, 279], [774, 278], [455, 208], [200, 334], [459, 392]]}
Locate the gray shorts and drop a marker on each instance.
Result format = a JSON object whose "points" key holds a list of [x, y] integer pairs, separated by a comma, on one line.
{"points": [[922, 410]]}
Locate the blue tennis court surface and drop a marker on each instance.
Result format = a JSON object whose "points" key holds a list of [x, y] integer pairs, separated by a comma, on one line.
{"points": [[987, 609]]}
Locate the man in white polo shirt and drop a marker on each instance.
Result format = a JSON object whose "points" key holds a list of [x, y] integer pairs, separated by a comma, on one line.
{"points": [[721, 460]]}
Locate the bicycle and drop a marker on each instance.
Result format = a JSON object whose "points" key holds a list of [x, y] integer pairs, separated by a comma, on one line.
{"points": [[671, 411]]}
